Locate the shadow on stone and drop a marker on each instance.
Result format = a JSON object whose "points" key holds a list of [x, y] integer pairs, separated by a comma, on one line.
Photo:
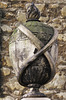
{"points": [[1, 75]]}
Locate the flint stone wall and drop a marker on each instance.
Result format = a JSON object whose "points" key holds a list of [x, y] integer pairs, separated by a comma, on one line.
{"points": [[53, 12]]}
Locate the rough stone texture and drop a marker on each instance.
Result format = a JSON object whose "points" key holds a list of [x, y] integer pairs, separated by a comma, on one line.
{"points": [[63, 11], [53, 12], [8, 98], [35, 99], [62, 37], [59, 96], [16, 92], [6, 28], [61, 67], [53, 5], [3, 4], [21, 17], [6, 71], [13, 84], [7, 60], [51, 1], [44, 19], [40, 7], [58, 81]]}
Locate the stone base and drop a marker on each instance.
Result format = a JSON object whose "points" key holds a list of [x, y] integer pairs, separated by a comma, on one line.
{"points": [[35, 99]]}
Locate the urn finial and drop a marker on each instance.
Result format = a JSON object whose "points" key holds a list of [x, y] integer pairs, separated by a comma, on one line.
{"points": [[32, 4], [32, 12]]}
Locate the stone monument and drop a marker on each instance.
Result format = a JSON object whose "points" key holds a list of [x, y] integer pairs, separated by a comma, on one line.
{"points": [[33, 52]]}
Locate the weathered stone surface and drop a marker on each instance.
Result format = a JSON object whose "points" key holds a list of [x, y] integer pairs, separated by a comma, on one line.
{"points": [[62, 67], [9, 15], [13, 84], [17, 6], [64, 25], [48, 92], [6, 38], [21, 16], [8, 98], [53, 5], [50, 1], [0, 14], [3, 4], [12, 9], [6, 71], [22, 0], [56, 20], [6, 28], [8, 62], [58, 81], [40, 6], [16, 92], [28, 4], [27, 0], [36, 98], [13, 0], [62, 37], [59, 96], [44, 19], [63, 11], [55, 25]]}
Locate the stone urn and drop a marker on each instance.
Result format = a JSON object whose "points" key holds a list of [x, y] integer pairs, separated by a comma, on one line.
{"points": [[33, 52]]}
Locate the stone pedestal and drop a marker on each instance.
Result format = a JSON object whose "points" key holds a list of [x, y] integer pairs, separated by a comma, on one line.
{"points": [[36, 98]]}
